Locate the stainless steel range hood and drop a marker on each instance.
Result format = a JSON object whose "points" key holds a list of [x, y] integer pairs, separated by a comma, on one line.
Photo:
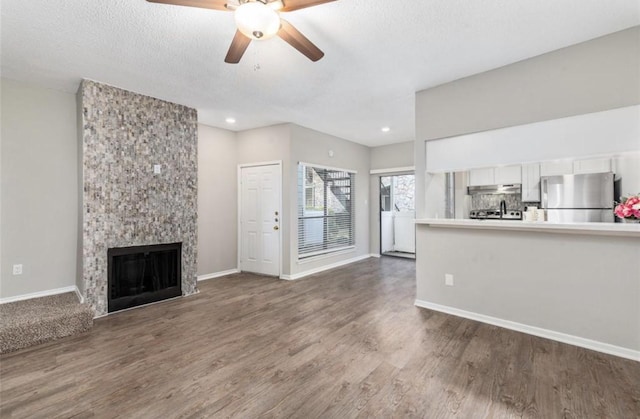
{"points": [[512, 189]]}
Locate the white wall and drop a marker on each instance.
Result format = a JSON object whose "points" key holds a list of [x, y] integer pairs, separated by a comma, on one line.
{"points": [[311, 146], [39, 188], [593, 76], [582, 136], [217, 200], [627, 170], [390, 156]]}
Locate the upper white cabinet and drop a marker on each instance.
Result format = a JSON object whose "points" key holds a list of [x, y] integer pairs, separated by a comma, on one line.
{"points": [[531, 182], [556, 168], [591, 166], [479, 177], [495, 176], [505, 175], [577, 167], [529, 174]]}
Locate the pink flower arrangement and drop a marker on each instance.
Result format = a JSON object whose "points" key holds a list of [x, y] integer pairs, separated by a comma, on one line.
{"points": [[628, 207]]}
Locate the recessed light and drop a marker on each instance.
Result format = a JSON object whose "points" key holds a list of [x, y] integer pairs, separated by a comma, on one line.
{"points": [[230, 120], [386, 129]]}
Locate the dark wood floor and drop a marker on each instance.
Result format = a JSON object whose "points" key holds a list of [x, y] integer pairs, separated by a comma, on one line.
{"points": [[345, 343]]}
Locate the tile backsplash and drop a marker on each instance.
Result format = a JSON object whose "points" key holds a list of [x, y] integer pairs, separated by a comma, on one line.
{"points": [[492, 201]]}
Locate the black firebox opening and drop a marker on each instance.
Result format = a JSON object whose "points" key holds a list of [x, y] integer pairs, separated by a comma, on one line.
{"points": [[143, 274]]}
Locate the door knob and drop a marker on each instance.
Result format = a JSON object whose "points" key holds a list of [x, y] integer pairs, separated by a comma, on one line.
{"points": [[276, 228]]}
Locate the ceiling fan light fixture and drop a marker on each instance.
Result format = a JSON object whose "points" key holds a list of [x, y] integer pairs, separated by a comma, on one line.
{"points": [[257, 21]]}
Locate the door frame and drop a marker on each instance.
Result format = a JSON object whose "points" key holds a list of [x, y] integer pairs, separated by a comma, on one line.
{"points": [[380, 173], [239, 211], [380, 209]]}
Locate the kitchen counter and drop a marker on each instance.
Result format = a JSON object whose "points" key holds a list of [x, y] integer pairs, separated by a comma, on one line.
{"points": [[573, 282], [604, 229]]}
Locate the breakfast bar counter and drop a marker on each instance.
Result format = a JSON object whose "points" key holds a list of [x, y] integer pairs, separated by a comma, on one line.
{"points": [[577, 283], [605, 229]]}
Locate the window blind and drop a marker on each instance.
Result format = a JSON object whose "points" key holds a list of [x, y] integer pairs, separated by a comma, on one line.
{"points": [[325, 210]]}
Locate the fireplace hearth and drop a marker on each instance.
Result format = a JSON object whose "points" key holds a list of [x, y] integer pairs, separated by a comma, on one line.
{"points": [[143, 274]]}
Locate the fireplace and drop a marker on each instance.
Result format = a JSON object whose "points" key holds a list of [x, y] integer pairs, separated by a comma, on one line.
{"points": [[143, 274]]}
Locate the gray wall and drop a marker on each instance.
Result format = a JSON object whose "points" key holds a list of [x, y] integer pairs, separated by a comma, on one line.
{"points": [[540, 279], [291, 144], [392, 156], [40, 166], [266, 145], [596, 75], [600, 74], [39, 201], [39, 188], [384, 157], [217, 200], [311, 146]]}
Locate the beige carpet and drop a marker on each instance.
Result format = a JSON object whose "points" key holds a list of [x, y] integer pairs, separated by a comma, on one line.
{"points": [[38, 320]]}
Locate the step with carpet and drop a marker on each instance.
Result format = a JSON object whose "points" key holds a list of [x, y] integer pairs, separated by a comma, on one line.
{"points": [[31, 322]]}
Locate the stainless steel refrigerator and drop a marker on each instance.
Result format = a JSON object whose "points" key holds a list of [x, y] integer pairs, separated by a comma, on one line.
{"points": [[578, 198]]}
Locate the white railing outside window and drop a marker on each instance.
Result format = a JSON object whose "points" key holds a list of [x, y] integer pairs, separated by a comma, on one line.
{"points": [[325, 210]]}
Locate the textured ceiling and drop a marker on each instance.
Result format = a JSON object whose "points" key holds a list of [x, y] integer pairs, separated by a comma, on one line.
{"points": [[378, 54]]}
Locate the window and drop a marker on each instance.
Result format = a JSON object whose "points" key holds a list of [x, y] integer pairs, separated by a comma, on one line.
{"points": [[325, 210]]}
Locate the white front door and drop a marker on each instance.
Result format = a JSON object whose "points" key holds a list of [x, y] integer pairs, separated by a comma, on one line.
{"points": [[260, 216]]}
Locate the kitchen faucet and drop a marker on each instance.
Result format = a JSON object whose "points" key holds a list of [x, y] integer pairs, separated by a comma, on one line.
{"points": [[503, 208]]}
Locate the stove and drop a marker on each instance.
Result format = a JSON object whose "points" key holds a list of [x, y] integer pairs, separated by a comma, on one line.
{"points": [[492, 214]]}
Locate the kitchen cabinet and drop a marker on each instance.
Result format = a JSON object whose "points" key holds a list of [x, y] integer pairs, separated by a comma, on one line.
{"points": [[479, 177], [531, 182], [576, 167], [505, 175], [556, 168], [495, 176], [592, 166]]}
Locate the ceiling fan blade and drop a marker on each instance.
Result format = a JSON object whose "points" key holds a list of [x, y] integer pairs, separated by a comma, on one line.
{"points": [[204, 4], [290, 5], [300, 42], [238, 47]]}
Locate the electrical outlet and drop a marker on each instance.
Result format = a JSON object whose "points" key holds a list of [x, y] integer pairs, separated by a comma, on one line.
{"points": [[17, 269], [448, 280], [157, 169]]}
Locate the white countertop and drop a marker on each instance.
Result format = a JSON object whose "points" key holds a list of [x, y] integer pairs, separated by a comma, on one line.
{"points": [[602, 229]]}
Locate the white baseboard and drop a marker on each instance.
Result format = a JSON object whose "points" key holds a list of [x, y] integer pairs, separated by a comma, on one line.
{"points": [[536, 331], [374, 255], [217, 274], [46, 293], [323, 268], [80, 296]]}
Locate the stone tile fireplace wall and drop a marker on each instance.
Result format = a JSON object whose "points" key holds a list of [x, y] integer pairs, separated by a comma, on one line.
{"points": [[124, 202]]}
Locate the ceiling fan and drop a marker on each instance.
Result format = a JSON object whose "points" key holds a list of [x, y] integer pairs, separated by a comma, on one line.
{"points": [[259, 20]]}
